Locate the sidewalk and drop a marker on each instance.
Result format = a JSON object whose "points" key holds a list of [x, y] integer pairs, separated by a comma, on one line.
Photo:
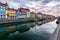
{"points": [[55, 34]]}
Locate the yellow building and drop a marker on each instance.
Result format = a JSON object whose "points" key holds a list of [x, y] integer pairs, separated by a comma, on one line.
{"points": [[10, 13], [10, 29], [33, 15]]}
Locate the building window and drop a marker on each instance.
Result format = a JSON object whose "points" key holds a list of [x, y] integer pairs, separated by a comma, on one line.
{"points": [[1, 16], [7, 15], [4, 16], [3, 13], [1, 10], [1, 6]]}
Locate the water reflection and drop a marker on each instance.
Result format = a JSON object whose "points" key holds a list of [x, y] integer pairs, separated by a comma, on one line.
{"points": [[26, 31], [42, 32], [5, 30], [10, 29]]}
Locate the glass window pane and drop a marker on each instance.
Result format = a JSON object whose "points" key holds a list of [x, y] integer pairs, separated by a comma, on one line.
{"points": [[4, 7], [1, 9], [1, 6]]}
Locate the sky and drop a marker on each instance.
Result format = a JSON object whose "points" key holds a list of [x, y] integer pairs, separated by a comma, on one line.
{"points": [[51, 7]]}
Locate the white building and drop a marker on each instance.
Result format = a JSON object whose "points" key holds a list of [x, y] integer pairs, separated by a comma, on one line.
{"points": [[23, 16], [28, 15], [39, 15]]}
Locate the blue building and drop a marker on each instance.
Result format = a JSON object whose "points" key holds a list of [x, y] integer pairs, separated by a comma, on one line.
{"points": [[2, 10], [18, 14]]}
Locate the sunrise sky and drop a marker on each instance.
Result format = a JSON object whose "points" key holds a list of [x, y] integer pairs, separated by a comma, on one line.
{"points": [[51, 7]]}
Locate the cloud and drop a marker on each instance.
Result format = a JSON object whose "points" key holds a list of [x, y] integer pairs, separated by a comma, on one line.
{"points": [[14, 5], [53, 3], [33, 4]]}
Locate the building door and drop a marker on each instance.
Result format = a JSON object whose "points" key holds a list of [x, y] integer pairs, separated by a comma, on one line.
{"points": [[7, 15], [1, 16]]}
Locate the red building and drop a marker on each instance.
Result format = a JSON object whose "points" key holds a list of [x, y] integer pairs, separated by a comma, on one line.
{"points": [[24, 10]]}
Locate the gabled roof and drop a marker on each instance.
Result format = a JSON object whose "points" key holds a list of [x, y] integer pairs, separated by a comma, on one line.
{"points": [[3, 4], [11, 9], [33, 13], [24, 9], [39, 13]]}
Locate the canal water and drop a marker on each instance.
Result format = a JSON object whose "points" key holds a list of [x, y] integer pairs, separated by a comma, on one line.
{"points": [[27, 31]]}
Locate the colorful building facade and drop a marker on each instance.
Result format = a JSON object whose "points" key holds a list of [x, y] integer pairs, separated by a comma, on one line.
{"points": [[18, 14], [33, 15], [6, 12], [3, 9], [25, 12], [39, 15], [10, 13], [28, 14]]}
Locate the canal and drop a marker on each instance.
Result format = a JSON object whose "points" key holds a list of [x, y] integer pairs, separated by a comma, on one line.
{"points": [[27, 31]]}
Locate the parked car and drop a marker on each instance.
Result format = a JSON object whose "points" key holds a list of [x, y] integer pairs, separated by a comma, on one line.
{"points": [[58, 20]]}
